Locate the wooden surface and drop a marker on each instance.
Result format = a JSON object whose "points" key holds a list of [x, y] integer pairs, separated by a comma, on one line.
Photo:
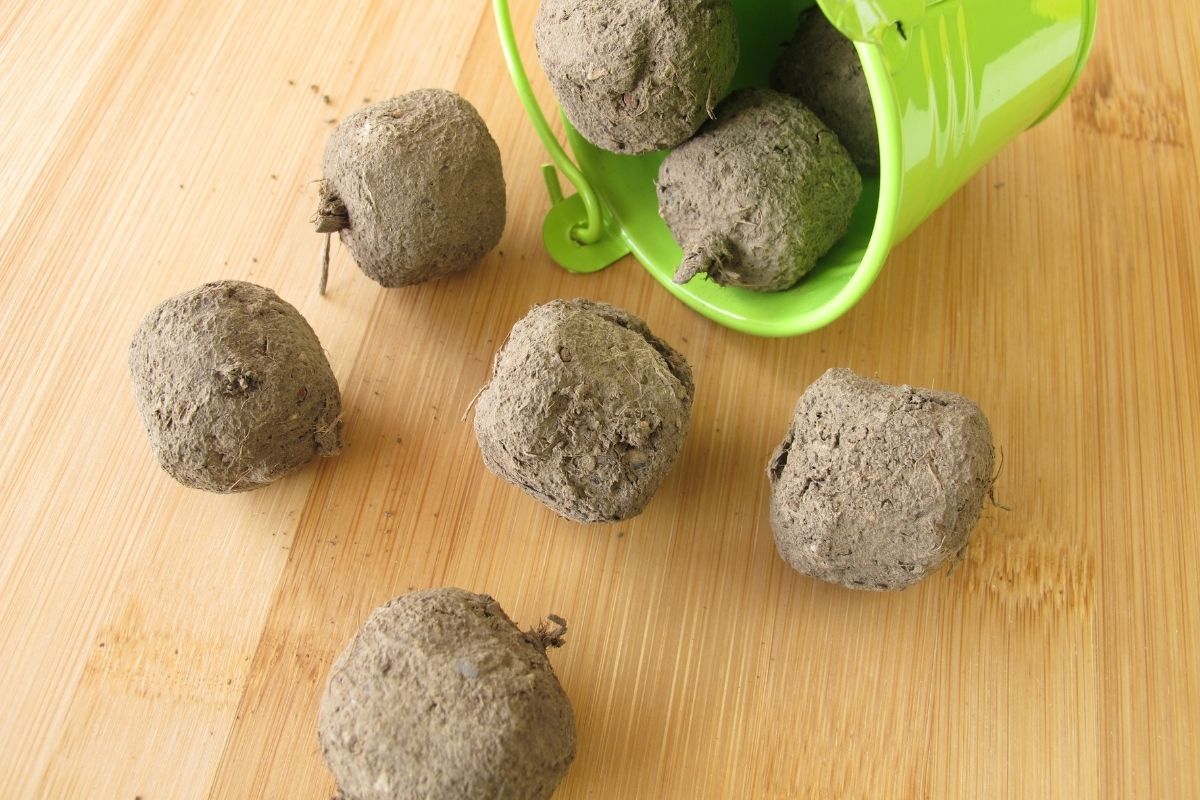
{"points": [[164, 643]]}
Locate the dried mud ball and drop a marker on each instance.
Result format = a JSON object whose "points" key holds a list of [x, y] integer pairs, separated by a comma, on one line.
{"points": [[439, 695], [876, 486], [586, 410], [233, 387], [821, 67], [759, 195], [637, 75], [414, 186]]}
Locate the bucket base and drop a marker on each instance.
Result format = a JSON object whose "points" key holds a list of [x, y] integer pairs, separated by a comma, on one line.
{"points": [[567, 216]]}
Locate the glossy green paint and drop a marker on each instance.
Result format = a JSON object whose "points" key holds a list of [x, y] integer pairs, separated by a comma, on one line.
{"points": [[952, 81]]}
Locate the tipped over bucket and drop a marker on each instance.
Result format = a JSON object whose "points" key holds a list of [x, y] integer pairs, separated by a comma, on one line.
{"points": [[951, 81]]}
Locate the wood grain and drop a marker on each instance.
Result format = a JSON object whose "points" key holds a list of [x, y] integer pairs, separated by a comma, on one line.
{"points": [[162, 643]]}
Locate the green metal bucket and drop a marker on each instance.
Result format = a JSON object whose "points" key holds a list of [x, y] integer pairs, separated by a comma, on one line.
{"points": [[952, 82]]}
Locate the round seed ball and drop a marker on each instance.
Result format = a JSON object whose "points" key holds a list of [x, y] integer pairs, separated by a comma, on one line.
{"points": [[586, 410], [821, 67], [759, 195], [637, 75], [877, 486], [233, 387], [439, 695], [414, 186]]}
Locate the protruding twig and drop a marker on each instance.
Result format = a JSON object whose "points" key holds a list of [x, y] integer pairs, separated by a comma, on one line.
{"points": [[711, 258], [325, 264], [547, 637], [690, 267], [991, 495], [331, 217], [470, 405]]}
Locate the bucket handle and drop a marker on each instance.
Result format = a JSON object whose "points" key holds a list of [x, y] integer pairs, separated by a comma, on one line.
{"points": [[592, 231]]}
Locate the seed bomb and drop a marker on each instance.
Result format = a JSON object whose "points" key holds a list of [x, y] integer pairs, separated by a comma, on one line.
{"points": [[637, 75], [877, 486], [414, 187], [821, 67], [759, 195], [586, 410], [233, 387], [439, 695]]}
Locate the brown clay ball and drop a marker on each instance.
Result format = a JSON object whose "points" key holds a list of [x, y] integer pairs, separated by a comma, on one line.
{"points": [[414, 186], [876, 486], [233, 388], [821, 67], [637, 75], [759, 195], [439, 695], [586, 410]]}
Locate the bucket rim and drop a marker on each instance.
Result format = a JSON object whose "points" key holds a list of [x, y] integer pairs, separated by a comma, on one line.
{"points": [[1090, 21]]}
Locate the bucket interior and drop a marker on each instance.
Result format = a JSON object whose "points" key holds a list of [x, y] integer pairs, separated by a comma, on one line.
{"points": [[627, 186]]}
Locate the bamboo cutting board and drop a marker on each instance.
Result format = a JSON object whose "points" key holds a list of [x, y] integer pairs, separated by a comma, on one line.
{"points": [[162, 643]]}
